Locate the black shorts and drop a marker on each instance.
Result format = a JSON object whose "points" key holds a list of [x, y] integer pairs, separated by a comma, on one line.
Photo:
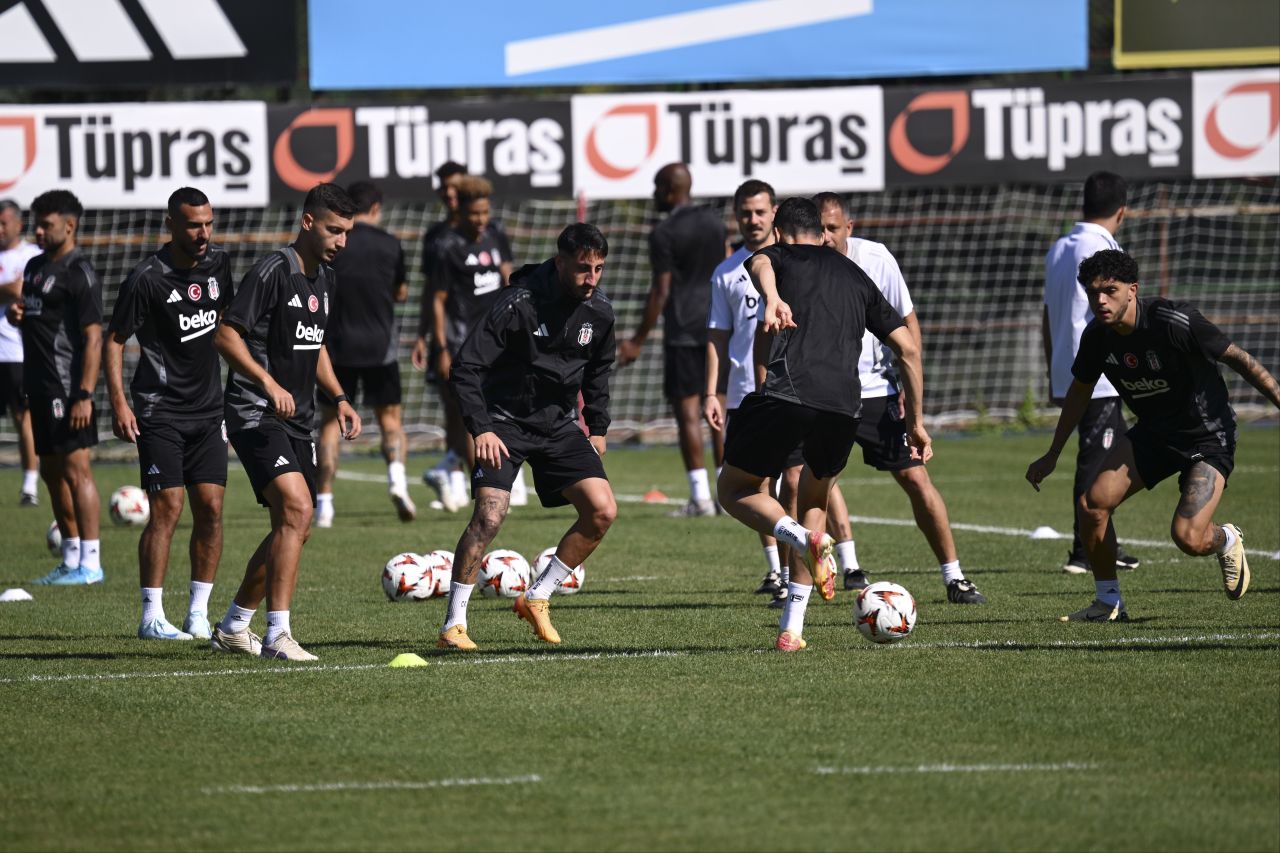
{"points": [[51, 427], [12, 397], [883, 436], [684, 372], [1157, 458], [266, 452], [764, 431], [376, 386], [173, 453], [558, 461]]}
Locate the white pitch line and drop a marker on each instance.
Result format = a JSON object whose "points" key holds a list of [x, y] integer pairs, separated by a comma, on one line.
{"points": [[954, 768], [373, 786], [1089, 644]]}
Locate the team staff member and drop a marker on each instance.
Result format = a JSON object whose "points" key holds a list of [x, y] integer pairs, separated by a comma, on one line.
{"points": [[362, 339], [14, 254], [272, 337], [61, 319], [518, 377], [171, 302]]}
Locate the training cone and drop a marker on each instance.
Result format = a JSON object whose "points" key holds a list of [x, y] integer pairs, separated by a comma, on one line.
{"points": [[655, 496], [405, 660]]}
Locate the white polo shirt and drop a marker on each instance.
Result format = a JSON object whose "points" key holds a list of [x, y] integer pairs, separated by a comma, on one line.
{"points": [[12, 263], [734, 306], [1068, 306], [875, 366]]}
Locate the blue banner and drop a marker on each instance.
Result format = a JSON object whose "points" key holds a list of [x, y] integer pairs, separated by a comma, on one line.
{"points": [[391, 44]]}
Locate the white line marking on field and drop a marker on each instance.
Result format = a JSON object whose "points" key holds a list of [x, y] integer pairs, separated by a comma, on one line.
{"points": [[360, 476], [373, 786], [954, 768], [1085, 644], [626, 579]]}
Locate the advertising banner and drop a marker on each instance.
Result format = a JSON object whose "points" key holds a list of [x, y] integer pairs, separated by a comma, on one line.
{"points": [[1237, 116], [1038, 134], [1161, 34], [135, 155], [799, 140], [521, 146]]}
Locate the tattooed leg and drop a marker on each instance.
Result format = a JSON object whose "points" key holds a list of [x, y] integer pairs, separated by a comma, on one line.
{"points": [[486, 520], [1193, 530]]}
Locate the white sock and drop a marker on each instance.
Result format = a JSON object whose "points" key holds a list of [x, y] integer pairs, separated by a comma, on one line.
{"points": [[792, 532], [71, 552], [458, 483], [237, 619], [771, 557], [699, 487], [459, 595], [552, 576], [324, 500], [395, 475], [1230, 541], [152, 603], [199, 602], [89, 556], [1108, 592], [29, 479], [793, 610], [277, 625], [951, 572], [848, 554], [786, 571]]}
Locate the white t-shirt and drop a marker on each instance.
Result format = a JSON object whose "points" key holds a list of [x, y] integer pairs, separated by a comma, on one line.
{"points": [[734, 306], [1068, 306], [875, 366], [12, 263]]}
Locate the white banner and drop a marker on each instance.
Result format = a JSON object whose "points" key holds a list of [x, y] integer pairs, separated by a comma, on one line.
{"points": [[135, 155], [799, 140], [1237, 119]]}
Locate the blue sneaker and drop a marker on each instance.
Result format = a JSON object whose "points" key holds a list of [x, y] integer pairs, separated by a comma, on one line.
{"points": [[160, 629], [63, 575], [197, 625]]}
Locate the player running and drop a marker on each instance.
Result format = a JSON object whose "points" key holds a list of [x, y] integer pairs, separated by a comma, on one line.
{"points": [[1162, 357], [518, 377], [14, 254]]}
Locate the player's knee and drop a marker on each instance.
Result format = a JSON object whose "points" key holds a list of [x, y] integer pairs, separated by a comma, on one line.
{"points": [[602, 516], [166, 507], [487, 521], [1192, 540], [1091, 507], [296, 516]]}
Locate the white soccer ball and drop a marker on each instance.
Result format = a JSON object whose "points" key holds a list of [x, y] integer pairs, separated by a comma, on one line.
{"points": [[503, 573], [53, 538], [440, 565], [884, 612], [406, 577], [129, 505], [570, 585]]}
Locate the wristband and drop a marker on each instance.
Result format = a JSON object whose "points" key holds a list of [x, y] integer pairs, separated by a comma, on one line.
{"points": [[341, 398], [81, 394]]}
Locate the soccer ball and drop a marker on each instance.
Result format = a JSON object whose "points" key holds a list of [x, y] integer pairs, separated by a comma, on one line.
{"points": [[503, 573], [440, 565], [406, 577], [53, 538], [570, 585], [129, 505], [884, 612]]}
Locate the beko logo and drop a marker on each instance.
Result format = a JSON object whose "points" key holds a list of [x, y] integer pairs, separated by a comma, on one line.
{"points": [[198, 320], [309, 333]]}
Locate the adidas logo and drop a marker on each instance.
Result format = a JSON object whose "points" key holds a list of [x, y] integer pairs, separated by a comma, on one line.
{"points": [[478, 474], [472, 261], [541, 331], [295, 302], [174, 296], [281, 461], [1111, 359], [153, 470]]}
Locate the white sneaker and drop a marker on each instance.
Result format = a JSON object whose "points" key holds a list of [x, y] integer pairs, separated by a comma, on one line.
{"points": [[244, 643], [197, 625], [519, 491], [438, 479], [1235, 566], [285, 647], [160, 629], [324, 515], [404, 504]]}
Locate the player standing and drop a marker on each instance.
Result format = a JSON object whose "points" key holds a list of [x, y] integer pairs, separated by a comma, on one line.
{"points": [[684, 251], [1066, 313], [61, 319], [819, 303], [171, 302], [1162, 356], [14, 254], [272, 337], [362, 339], [518, 377]]}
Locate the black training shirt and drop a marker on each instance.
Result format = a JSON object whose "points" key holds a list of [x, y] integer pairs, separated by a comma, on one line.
{"points": [[1166, 370], [174, 313], [470, 272], [59, 298], [367, 274], [689, 244], [832, 302]]}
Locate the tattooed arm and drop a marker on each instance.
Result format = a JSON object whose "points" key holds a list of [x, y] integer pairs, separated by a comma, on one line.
{"points": [[1256, 375]]}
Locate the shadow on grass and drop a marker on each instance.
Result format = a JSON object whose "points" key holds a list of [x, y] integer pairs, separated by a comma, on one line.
{"points": [[76, 655]]}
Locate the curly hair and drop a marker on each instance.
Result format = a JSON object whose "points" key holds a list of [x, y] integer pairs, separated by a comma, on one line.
{"points": [[1108, 265]]}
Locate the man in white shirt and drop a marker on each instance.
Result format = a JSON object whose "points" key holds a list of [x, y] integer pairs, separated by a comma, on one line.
{"points": [[1066, 313], [14, 254], [881, 432]]}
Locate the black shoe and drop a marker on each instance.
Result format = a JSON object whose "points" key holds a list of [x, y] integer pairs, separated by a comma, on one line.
{"points": [[1076, 565], [855, 579], [964, 592], [771, 584], [1127, 562], [779, 599]]}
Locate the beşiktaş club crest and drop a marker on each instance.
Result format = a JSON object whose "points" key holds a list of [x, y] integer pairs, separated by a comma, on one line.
{"points": [[213, 288], [48, 283], [584, 334]]}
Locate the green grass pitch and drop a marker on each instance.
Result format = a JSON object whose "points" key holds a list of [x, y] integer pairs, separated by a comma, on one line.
{"points": [[663, 723]]}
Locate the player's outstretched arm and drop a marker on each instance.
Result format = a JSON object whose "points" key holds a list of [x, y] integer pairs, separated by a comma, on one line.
{"points": [[1073, 408], [659, 290], [1253, 372], [777, 314], [123, 422], [906, 350]]}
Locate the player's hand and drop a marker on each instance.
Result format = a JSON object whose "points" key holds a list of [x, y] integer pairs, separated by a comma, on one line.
{"points": [[778, 316], [490, 451], [920, 443], [14, 312], [348, 421], [419, 354], [81, 414], [124, 424], [444, 365], [628, 351], [902, 407], [713, 412], [1041, 468], [598, 443], [281, 400]]}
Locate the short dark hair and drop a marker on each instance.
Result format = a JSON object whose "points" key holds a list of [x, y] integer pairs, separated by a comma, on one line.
{"points": [[1104, 194], [330, 197], [582, 237], [1108, 265], [750, 189], [798, 216], [365, 194], [61, 202], [189, 196], [448, 169], [10, 204], [824, 200]]}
